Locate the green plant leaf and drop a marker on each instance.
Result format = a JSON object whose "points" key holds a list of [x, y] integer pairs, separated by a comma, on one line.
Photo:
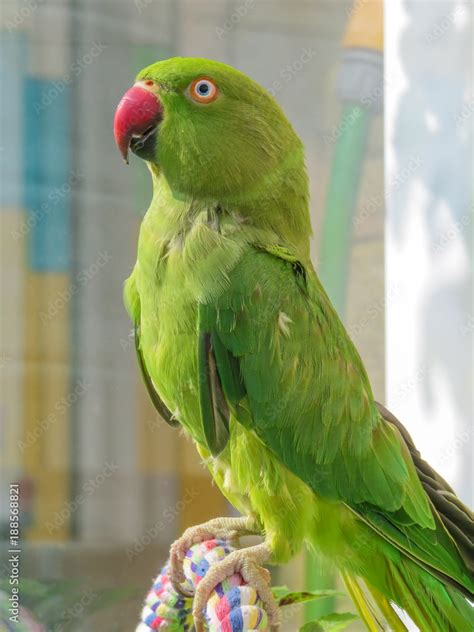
{"points": [[287, 597], [330, 623]]}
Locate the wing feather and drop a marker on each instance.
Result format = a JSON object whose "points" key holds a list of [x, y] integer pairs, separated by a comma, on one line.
{"points": [[310, 402]]}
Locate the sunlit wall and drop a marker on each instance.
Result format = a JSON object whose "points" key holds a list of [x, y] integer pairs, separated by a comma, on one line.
{"points": [[428, 135]]}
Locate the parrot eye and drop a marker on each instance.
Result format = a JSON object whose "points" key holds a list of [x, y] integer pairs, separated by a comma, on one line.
{"points": [[203, 90]]}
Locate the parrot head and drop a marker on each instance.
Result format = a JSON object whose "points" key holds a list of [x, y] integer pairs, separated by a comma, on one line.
{"points": [[209, 129]]}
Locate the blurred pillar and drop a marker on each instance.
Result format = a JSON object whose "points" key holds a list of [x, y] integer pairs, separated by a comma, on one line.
{"points": [[359, 86], [47, 184], [13, 48], [429, 320], [106, 224]]}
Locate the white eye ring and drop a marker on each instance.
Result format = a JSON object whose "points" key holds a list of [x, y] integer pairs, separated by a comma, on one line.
{"points": [[203, 90]]}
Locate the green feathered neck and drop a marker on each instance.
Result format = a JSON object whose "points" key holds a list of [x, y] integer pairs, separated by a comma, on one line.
{"points": [[278, 203]]}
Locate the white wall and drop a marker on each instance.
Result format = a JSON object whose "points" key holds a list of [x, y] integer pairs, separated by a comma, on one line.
{"points": [[429, 318]]}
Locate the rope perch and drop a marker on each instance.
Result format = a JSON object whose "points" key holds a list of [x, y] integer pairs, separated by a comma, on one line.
{"points": [[233, 606]]}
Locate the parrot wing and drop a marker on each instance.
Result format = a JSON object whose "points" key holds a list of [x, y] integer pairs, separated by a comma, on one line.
{"points": [[287, 369]]}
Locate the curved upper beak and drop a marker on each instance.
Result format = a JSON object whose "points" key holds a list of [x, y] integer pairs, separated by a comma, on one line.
{"points": [[136, 117]]}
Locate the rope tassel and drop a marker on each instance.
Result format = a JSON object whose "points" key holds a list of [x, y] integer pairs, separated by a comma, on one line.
{"points": [[233, 605]]}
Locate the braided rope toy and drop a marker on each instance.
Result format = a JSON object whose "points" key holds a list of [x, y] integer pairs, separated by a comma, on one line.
{"points": [[232, 607]]}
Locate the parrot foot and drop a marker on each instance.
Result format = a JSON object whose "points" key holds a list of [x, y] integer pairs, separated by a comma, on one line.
{"points": [[221, 528], [248, 563]]}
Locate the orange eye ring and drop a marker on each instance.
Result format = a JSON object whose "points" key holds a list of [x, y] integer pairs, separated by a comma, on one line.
{"points": [[203, 90]]}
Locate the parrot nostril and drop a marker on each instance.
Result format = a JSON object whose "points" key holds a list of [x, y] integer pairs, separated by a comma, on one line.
{"points": [[149, 83]]}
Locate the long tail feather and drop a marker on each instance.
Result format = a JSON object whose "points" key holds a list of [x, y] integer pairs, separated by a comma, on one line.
{"points": [[391, 615], [432, 606], [364, 606]]}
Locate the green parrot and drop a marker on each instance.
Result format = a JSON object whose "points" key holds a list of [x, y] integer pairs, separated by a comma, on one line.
{"points": [[240, 347]]}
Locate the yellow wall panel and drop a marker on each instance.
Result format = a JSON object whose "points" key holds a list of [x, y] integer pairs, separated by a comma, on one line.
{"points": [[202, 499], [157, 441], [12, 252], [48, 399]]}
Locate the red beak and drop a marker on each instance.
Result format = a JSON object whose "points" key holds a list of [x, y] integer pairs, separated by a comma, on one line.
{"points": [[138, 112]]}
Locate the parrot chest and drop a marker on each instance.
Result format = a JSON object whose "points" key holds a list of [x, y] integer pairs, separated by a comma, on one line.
{"points": [[171, 278]]}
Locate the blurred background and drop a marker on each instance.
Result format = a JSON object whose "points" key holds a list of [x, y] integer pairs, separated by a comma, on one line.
{"points": [[104, 485]]}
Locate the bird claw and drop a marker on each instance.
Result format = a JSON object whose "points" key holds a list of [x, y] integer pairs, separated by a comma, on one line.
{"points": [[246, 562], [228, 529]]}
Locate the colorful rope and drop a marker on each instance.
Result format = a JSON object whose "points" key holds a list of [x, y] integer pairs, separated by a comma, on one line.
{"points": [[233, 606]]}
